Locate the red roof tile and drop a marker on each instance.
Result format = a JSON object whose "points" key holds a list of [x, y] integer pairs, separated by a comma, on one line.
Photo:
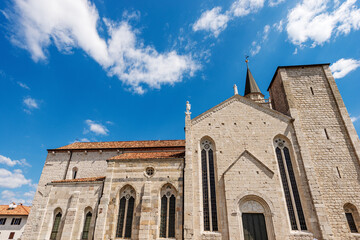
{"points": [[20, 210], [149, 155], [92, 179], [123, 144]]}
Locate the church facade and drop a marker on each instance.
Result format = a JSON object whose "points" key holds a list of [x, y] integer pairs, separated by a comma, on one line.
{"points": [[249, 168]]}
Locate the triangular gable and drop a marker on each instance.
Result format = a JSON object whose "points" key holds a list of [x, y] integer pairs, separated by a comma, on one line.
{"points": [[244, 100], [256, 162]]}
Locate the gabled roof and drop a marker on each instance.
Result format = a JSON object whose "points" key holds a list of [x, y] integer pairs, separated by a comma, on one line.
{"points": [[122, 144], [149, 155], [250, 85], [20, 210], [246, 101], [91, 179]]}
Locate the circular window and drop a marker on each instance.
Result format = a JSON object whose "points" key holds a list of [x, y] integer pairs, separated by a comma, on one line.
{"points": [[150, 171]]}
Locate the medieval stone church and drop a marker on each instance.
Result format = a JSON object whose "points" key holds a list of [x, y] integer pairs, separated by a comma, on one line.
{"points": [[249, 168]]}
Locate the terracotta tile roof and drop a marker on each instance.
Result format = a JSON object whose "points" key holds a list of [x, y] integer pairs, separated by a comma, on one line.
{"points": [[92, 179], [149, 155], [123, 144], [20, 210]]}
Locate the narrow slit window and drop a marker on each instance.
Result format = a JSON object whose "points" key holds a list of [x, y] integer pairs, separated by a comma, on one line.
{"points": [[338, 172], [125, 214], [312, 91], [351, 222], [168, 213], [326, 133], [209, 186], [292, 196]]}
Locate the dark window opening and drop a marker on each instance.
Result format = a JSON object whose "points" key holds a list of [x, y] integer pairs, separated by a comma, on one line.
{"points": [[351, 222], [56, 226], [312, 91], [2, 221], [85, 234]]}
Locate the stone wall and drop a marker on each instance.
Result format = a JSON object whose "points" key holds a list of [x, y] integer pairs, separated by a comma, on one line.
{"points": [[243, 133], [328, 143]]}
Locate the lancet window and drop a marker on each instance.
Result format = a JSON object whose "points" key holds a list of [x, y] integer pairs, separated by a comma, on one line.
{"points": [[86, 229], [352, 217], [168, 212], [208, 186], [56, 226], [292, 196], [126, 212]]}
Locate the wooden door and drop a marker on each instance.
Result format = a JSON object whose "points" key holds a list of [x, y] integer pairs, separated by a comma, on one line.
{"points": [[254, 226]]}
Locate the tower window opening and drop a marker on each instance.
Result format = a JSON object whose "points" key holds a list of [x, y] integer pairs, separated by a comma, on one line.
{"points": [[326, 133]]}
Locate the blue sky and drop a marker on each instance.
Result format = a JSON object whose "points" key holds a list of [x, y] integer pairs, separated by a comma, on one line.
{"points": [[77, 70]]}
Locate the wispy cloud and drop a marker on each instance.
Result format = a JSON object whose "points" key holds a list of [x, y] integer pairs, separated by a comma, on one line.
{"points": [[11, 163], [81, 140], [8, 197], [354, 119], [23, 85], [212, 21], [73, 24], [215, 20], [317, 21], [30, 104], [256, 45], [13, 179], [96, 127], [344, 66]]}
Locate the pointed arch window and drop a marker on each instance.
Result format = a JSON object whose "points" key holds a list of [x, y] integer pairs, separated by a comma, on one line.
{"points": [[56, 225], [168, 212], [352, 217], [85, 234], [292, 197], [126, 212], [208, 186]]}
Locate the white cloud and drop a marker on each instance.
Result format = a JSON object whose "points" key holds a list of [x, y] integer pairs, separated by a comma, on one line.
{"points": [[295, 51], [273, 3], [279, 26], [11, 163], [23, 85], [81, 140], [244, 7], [354, 119], [96, 128], [315, 21], [73, 24], [255, 50], [256, 46], [13, 179], [31, 103], [215, 22], [8, 197], [212, 20], [344, 66]]}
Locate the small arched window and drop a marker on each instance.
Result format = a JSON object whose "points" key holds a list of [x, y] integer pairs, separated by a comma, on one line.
{"points": [[126, 212], [56, 226], [168, 212], [74, 172], [86, 229], [292, 196], [208, 186], [352, 217]]}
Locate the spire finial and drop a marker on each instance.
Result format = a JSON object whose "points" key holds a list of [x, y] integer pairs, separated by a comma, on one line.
{"points": [[247, 61]]}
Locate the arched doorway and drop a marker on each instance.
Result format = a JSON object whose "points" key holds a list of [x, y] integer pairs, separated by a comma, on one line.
{"points": [[256, 219]]}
